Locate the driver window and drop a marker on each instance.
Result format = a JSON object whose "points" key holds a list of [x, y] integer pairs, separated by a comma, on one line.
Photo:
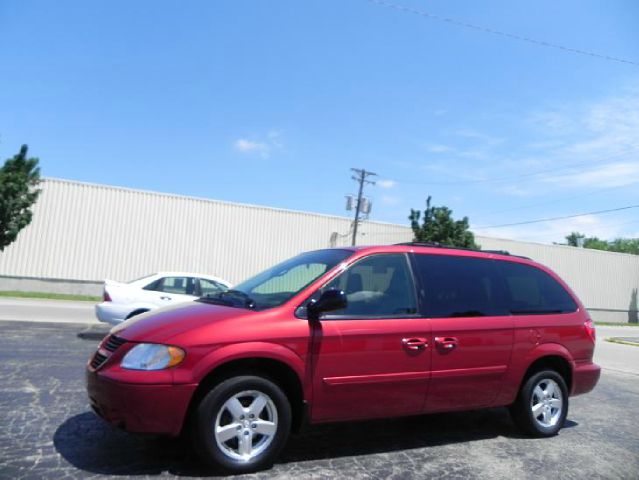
{"points": [[377, 286]]}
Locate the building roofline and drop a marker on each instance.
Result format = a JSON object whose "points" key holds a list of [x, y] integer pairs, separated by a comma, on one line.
{"points": [[209, 200]]}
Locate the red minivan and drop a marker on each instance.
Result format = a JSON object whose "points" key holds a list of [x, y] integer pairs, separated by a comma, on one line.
{"points": [[347, 334]]}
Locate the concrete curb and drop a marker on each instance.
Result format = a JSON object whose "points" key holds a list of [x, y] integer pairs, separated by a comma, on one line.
{"points": [[94, 332]]}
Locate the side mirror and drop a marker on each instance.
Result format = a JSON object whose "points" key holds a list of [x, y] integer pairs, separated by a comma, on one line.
{"points": [[330, 300]]}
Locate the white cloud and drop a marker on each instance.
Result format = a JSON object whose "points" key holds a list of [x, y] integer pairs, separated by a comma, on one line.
{"points": [[601, 141], [483, 139], [556, 121], [261, 148], [556, 230], [516, 191], [386, 183], [618, 174], [438, 148], [249, 146]]}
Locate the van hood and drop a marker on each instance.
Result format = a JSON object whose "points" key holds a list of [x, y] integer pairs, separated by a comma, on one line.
{"points": [[159, 326]]}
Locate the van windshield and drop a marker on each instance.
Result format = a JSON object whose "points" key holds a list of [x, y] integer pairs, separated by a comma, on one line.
{"points": [[280, 283]]}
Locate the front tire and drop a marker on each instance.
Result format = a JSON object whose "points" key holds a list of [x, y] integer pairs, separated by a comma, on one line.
{"points": [[242, 424], [542, 404]]}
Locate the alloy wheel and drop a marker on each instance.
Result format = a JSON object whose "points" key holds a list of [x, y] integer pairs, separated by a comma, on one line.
{"points": [[546, 403], [245, 425]]}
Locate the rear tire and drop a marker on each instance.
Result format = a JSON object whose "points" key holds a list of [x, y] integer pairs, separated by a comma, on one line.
{"points": [[542, 404], [242, 424]]}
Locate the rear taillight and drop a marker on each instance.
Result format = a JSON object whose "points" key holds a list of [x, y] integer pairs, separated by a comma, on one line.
{"points": [[105, 296], [590, 329]]}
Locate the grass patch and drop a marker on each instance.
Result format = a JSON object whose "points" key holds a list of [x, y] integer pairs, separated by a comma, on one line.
{"points": [[622, 342], [49, 296], [616, 324]]}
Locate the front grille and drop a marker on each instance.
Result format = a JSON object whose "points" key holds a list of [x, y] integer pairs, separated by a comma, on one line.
{"points": [[107, 347], [113, 342], [98, 360]]}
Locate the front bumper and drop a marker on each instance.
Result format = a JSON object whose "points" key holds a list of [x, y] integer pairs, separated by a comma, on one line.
{"points": [[139, 408], [584, 377]]}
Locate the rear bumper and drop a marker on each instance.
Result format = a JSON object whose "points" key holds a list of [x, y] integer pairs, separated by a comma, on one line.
{"points": [[152, 409], [111, 313], [585, 377]]}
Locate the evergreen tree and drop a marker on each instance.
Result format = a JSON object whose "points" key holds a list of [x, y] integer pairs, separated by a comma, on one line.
{"points": [[19, 180]]}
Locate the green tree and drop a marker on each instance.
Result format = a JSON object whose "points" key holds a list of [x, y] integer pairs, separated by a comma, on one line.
{"points": [[622, 245], [625, 245], [574, 238], [438, 226], [19, 180]]}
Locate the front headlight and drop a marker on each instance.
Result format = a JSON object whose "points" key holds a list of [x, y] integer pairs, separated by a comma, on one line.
{"points": [[151, 356]]}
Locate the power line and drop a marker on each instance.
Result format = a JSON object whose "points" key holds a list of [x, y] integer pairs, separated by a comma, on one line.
{"points": [[599, 212], [586, 163], [555, 200], [570, 230], [492, 31]]}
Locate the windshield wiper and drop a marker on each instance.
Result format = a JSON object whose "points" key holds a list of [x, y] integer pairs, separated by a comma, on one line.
{"points": [[214, 299], [231, 300], [248, 301]]}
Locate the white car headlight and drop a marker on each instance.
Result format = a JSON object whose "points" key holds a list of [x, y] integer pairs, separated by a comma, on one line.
{"points": [[152, 356]]}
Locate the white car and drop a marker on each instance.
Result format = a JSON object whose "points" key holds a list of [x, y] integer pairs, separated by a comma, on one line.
{"points": [[124, 300]]}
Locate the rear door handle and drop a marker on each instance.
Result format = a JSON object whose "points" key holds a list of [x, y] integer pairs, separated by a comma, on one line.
{"points": [[446, 343], [165, 298], [414, 344]]}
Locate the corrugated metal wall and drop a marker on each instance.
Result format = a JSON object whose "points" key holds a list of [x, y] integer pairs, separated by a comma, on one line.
{"points": [[90, 232]]}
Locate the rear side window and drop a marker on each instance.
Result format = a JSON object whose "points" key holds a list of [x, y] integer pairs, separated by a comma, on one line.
{"points": [[179, 285], [454, 286], [532, 291]]}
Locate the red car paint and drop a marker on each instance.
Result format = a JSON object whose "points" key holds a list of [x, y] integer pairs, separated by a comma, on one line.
{"points": [[346, 369]]}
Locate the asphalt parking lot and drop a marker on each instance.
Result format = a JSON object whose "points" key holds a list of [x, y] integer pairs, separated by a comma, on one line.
{"points": [[48, 431]]}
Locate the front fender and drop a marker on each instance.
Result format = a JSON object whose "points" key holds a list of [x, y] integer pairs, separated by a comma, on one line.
{"points": [[246, 350]]}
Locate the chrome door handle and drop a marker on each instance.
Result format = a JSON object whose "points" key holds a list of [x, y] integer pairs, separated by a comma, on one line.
{"points": [[414, 344], [446, 343]]}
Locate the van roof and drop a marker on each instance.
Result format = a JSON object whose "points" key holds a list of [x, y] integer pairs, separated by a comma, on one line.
{"points": [[438, 245]]}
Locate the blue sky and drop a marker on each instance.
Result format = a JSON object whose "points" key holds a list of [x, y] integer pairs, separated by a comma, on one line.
{"points": [[272, 102]]}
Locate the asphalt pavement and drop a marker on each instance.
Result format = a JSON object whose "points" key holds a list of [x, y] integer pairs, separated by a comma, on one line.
{"points": [[48, 431]]}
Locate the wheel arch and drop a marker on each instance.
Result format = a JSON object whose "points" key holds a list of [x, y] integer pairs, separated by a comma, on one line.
{"points": [[550, 357], [282, 369], [137, 311]]}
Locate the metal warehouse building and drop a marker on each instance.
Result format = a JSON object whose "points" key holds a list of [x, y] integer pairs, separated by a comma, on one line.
{"points": [[83, 233]]}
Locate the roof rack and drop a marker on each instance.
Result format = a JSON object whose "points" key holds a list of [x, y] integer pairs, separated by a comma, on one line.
{"points": [[452, 247]]}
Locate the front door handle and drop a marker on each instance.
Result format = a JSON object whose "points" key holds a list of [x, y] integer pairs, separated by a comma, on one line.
{"points": [[446, 343], [414, 344]]}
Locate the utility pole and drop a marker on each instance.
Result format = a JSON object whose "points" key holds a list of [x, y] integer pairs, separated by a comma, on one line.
{"points": [[360, 176]]}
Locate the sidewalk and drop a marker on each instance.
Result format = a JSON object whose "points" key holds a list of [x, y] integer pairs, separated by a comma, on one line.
{"points": [[37, 310], [615, 356]]}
